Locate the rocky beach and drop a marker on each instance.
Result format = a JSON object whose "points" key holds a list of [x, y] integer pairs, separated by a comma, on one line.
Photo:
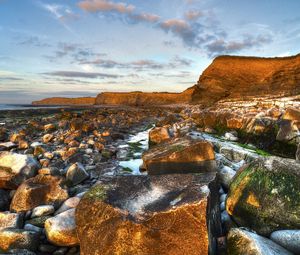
{"points": [[210, 172]]}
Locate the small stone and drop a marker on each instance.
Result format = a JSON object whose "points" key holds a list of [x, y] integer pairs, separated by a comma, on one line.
{"points": [[289, 239], [47, 248], [68, 204], [4, 200], [76, 174], [11, 220], [48, 138], [42, 210], [31, 227], [242, 242], [18, 239], [61, 229], [226, 174], [230, 137]]}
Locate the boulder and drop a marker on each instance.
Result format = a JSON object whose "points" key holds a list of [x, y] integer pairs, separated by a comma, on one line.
{"points": [[76, 174], [61, 229], [264, 195], [40, 190], [18, 239], [298, 153], [289, 239], [15, 168], [159, 135], [181, 155], [242, 242], [163, 214], [11, 220]]}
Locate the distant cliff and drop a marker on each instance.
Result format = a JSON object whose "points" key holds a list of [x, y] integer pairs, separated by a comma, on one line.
{"points": [[227, 77], [241, 77], [66, 101], [140, 98]]}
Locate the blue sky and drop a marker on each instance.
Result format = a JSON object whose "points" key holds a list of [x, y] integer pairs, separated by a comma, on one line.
{"points": [[84, 47]]}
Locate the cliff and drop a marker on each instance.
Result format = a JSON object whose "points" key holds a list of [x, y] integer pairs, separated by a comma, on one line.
{"points": [[140, 98], [234, 77], [66, 101]]}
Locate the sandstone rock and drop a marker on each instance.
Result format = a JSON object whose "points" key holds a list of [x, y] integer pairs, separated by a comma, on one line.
{"points": [[18, 239], [287, 131], [23, 145], [76, 174], [49, 127], [40, 190], [146, 215], [159, 135], [10, 220], [254, 189], [47, 138], [291, 114], [42, 210], [289, 239], [180, 155], [61, 229], [3, 134], [15, 168], [242, 242]]}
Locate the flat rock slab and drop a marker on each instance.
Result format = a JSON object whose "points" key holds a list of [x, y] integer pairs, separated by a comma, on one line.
{"points": [[145, 215], [181, 155]]}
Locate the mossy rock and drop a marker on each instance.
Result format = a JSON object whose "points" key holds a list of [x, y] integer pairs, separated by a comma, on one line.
{"points": [[265, 195]]}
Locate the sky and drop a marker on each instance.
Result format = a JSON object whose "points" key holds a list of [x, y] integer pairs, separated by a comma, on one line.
{"points": [[74, 48]]}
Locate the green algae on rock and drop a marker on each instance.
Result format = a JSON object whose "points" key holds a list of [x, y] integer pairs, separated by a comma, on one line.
{"points": [[265, 195]]}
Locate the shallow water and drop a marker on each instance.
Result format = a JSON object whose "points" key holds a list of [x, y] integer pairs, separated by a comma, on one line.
{"points": [[136, 144]]}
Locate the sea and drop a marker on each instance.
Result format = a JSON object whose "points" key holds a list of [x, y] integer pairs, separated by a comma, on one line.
{"points": [[4, 107]]}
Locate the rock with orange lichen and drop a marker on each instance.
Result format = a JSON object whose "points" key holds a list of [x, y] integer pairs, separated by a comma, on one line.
{"points": [[146, 215], [265, 195], [181, 155], [40, 190]]}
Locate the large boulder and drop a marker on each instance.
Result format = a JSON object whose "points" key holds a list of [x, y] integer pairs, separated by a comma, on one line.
{"points": [[242, 242], [15, 168], [61, 229], [181, 155], [39, 190], [264, 195], [147, 215]]}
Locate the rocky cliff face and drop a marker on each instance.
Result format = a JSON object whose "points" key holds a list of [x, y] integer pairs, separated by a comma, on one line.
{"points": [[140, 98], [233, 77], [66, 101]]}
